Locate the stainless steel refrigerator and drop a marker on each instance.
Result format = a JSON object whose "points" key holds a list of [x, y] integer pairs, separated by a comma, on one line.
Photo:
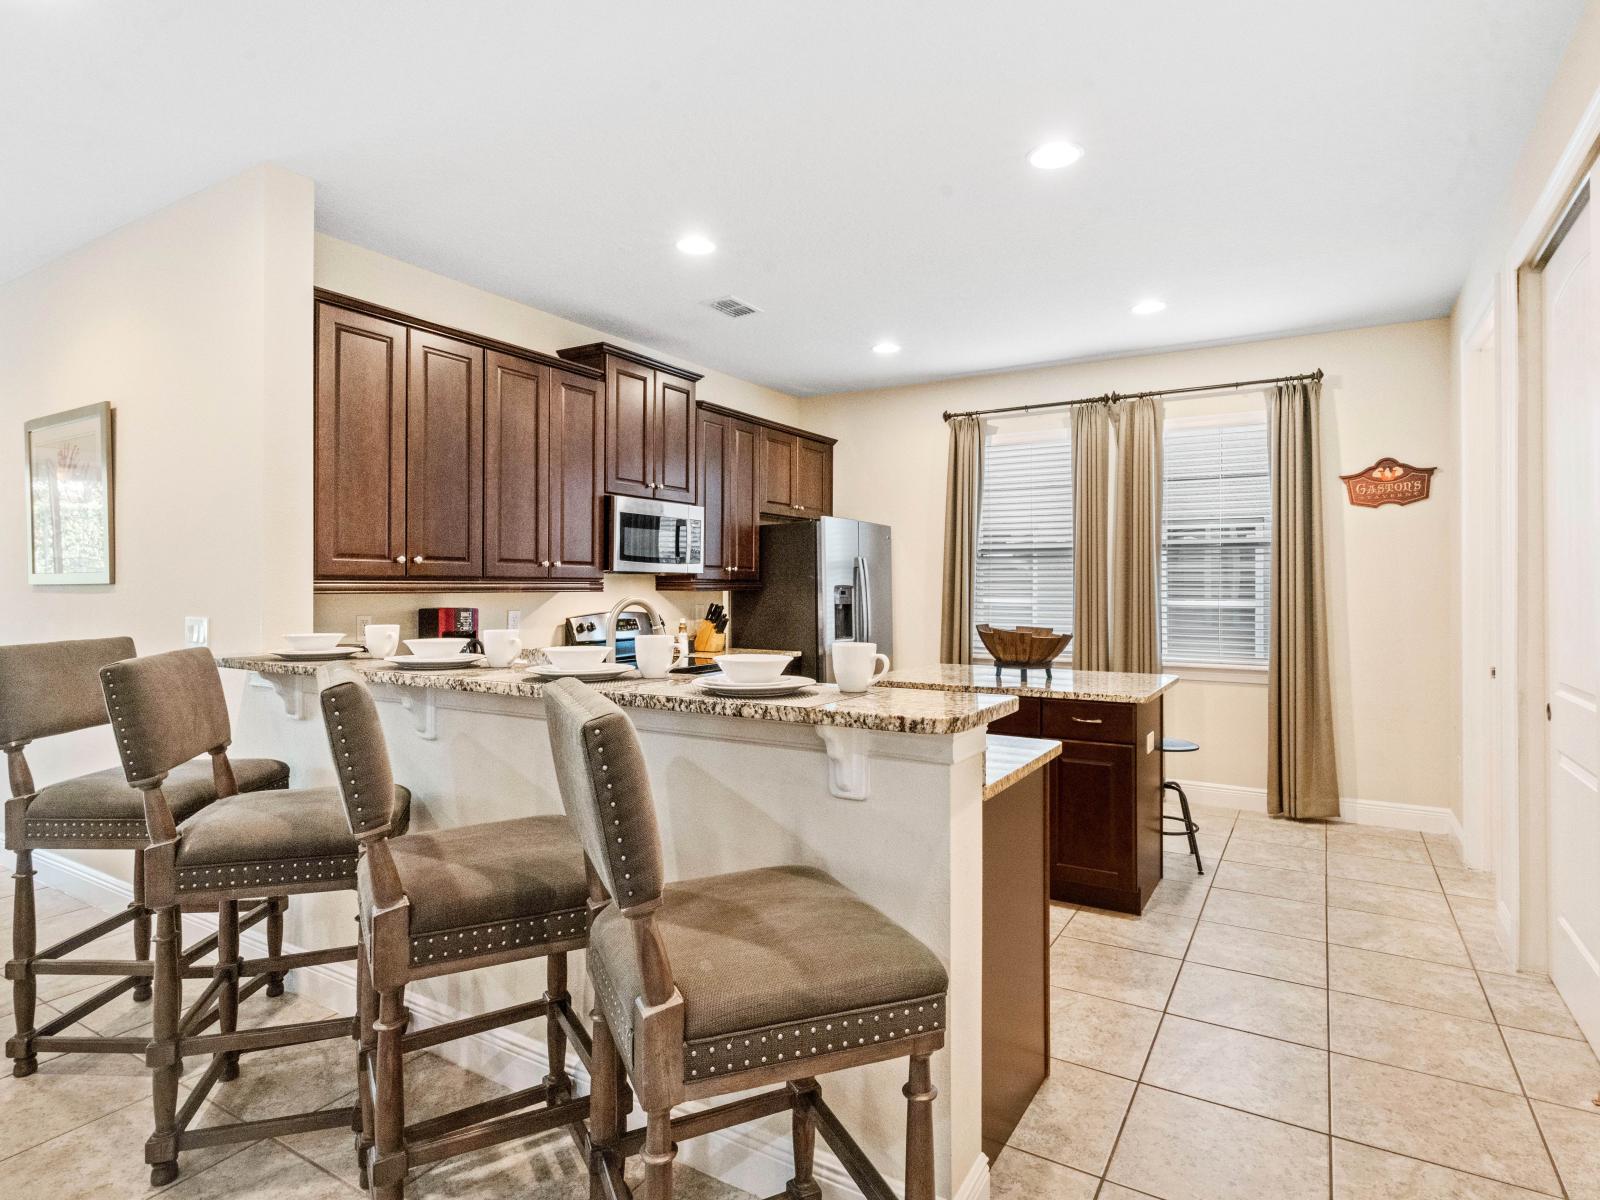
{"points": [[822, 581]]}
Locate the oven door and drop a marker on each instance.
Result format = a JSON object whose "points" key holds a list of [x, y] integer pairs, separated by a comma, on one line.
{"points": [[657, 538]]}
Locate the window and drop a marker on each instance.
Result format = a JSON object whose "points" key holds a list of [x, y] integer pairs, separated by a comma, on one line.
{"points": [[1216, 539], [1024, 554]]}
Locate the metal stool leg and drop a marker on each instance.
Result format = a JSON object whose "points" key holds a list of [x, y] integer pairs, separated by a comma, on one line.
{"points": [[1190, 828]]}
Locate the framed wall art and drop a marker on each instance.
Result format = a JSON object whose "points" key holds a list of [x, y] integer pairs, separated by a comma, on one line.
{"points": [[70, 497]]}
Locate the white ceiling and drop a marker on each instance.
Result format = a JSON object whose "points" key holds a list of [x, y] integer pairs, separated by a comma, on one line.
{"points": [[1264, 166]]}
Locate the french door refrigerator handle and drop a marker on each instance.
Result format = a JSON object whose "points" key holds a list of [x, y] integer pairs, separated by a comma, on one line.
{"points": [[864, 599]]}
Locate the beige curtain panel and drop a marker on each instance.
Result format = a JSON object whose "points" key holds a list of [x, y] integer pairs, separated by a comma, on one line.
{"points": [[1302, 779], [1091, 513], [963, 493], [1136, 540]]}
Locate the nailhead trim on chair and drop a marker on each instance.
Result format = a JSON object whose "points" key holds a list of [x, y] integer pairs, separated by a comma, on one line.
{"points": [[495, 936], [616, 821], [86, 829], [802, 1039], [280, 871]]}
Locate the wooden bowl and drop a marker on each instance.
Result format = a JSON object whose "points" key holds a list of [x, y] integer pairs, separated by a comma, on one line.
{"points": [[1025, 646]]}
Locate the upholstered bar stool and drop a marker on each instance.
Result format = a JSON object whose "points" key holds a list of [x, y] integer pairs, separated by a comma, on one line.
{"points": [[1187, 826], [50, 688], [730, 983], [442, 903], [165, 710]]}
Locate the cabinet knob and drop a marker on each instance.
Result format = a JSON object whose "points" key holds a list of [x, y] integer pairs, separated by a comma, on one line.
{"points": [[558, 562], [400, 558], [544, 562], [416, 558]]}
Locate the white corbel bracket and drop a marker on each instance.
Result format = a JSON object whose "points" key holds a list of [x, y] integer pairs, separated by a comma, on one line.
{"points": [[848, 765], [290, 694], [419, 703]]}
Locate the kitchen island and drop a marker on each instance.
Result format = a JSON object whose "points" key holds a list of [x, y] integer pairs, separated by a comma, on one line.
{"points": [[885, 791], [1105, 823]]}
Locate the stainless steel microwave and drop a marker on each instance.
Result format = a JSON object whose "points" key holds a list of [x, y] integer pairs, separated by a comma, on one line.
{"points": [[653, 537]]}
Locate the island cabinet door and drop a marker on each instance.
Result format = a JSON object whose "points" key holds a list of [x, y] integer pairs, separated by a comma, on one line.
{"points": [[516, 393], [360, 446], [1092, 834], [575, 437], [676, 434], [444, 458], [630, 428]]}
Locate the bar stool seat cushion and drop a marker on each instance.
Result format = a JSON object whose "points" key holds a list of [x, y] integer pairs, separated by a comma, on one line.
{"points": [[103, 802], [770, 962], [272, 837], [494, 871]]}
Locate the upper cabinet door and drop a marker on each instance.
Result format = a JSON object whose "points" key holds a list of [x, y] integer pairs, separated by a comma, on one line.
{"points": [[813, 477], [360, 446], [444, 458], [742, 539], [515, 394], [676, 432], [777, 472], [575, 435], [630, 429], [716, 434]]}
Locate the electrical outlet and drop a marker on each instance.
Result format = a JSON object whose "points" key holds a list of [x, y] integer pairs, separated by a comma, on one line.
{"points": [[196, 631], [361, 626], [513, 618]]}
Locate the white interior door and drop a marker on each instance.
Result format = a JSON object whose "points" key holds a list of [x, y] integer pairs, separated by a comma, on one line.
{"points": [[1572, 613]]}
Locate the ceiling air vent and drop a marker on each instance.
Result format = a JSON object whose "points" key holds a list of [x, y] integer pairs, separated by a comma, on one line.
{"points": [[732, 306]]}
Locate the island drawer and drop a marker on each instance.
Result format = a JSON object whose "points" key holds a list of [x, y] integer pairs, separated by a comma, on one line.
{"points": [[1088, 721], [1022, 723]]}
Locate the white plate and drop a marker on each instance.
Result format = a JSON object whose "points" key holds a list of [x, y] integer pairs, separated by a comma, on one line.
{"points": [[784, 685], [435, 662], [318, 655], [582, 674]]}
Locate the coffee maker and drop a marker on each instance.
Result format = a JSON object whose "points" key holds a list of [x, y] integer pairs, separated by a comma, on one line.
{"points": [[450, 622]]}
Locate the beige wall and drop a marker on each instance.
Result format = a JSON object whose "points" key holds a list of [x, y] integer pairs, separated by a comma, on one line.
{"points": [[193, 323], [354, 271], [1392, 601]]}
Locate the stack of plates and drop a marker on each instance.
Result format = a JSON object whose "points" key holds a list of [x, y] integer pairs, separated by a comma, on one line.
{"points": [[784, 685], [318, 655], [598, 674], [435, 662]]}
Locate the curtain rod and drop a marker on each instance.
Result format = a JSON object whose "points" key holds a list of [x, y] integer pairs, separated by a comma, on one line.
{"points": [[1204, 387]]}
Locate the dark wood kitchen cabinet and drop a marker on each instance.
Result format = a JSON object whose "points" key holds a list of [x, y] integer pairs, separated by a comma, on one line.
{"points": [[444, 457], [729, 469], [797, 474], [652, 429], [542, 464]]}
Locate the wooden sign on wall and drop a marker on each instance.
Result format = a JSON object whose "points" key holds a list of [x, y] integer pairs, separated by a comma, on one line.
{"points": [[1388, 481]]}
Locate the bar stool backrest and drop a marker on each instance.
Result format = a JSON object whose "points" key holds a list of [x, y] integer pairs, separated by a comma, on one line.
{"points": [[165, 710], [605, 789], [48, 688], [361, 757]]}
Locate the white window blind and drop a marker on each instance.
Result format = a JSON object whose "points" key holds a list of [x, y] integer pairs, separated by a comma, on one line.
{"points": [[1216, 539], [1024, 553]]}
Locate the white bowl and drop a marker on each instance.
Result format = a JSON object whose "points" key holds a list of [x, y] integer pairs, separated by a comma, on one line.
{"points": [[312, 641], [436, 647], [576, 658], [753, 668]]}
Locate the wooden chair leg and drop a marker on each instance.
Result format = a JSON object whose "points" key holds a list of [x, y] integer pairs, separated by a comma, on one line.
{"points": [[161, 1151], [803, 1186], [227, 970], [367, 1037], [604, 1124], [920, 1094], [280, 905], [387, 1170], [558, 1084], [141, 926], [24, 984], [658, 1154]]}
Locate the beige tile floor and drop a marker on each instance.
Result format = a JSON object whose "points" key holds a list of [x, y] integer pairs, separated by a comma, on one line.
{"points": [[1326, 1013], [76, 1129]]}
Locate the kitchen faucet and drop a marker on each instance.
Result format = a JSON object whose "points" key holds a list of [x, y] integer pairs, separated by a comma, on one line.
{"points": [[657, 624]]}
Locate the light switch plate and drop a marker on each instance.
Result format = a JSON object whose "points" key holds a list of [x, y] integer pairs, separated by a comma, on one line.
{"points": [[361, 626], [513, 618], [196, 631], [1150, 742]]}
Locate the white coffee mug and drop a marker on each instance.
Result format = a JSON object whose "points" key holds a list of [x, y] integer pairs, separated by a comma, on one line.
{"points": [[381, 641], [501, 645], [655, 654], [856, 665]]}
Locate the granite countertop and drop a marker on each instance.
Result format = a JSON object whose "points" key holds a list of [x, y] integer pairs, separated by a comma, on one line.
{"points": [[1111, 687], [1008, 759], [884, 710]]}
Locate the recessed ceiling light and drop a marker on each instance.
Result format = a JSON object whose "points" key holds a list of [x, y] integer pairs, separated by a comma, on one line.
{"points": [[1148, 308], [697, 244], [1052, 156], [886, 348]]}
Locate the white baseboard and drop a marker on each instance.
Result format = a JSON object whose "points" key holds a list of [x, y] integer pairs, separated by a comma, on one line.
{"points": [[747, 1157], [1386, 814]]}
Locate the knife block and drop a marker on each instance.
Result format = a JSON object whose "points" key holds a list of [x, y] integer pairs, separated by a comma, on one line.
{"points": [[708, 641]]}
